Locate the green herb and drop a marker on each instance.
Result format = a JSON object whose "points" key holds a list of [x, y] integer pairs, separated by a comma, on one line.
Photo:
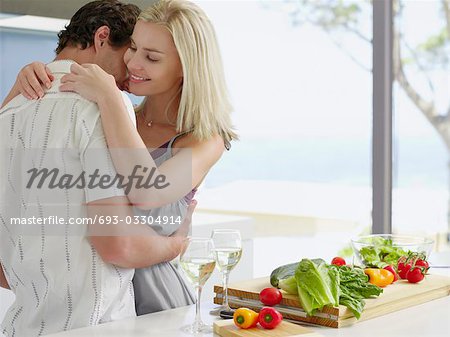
{"points": [[354, 288]]}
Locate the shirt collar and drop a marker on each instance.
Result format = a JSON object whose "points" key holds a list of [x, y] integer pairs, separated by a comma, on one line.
{"points": [[60, 66]]}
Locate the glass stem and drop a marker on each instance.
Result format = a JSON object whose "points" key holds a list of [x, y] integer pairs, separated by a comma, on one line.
{"points": [[225, 291], [198, 320]]}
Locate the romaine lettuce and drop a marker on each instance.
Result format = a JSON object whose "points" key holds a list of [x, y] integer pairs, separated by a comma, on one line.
{"points": [[317, 285]]}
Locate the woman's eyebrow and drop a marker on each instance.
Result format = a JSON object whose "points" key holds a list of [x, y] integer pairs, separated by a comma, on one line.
{"points": [[148, 49], [153, 50]]}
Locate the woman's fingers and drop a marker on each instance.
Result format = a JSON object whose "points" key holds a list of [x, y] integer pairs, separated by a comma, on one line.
{"points": [[49, 74], [186, 225], [68, 82], [75, 68], [35, 84], [68, 78], [90, 81], [90, 65], [41, 71], [69, 86], [43, 75], [33, 79], [26, 89]]}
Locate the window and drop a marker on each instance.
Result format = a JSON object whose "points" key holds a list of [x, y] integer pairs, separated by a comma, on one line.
{"points": [[24, 39], [421, 138], [303, 107]]}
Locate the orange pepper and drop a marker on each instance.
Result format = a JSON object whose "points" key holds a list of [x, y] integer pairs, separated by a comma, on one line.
{"points": [[379, 277], [245, 318]]}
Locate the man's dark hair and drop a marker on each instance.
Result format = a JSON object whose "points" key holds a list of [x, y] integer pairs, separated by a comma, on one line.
{"points": [[119, 17]]}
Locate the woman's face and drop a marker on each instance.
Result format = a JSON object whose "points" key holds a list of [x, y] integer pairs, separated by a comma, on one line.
{"points": [[152, 60]]}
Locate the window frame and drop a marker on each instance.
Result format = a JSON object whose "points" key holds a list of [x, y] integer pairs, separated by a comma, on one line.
{"points": [[382, 130]]}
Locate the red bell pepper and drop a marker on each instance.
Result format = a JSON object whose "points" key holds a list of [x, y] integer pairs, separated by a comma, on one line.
{"points": [[392, 270], [269, 318]]}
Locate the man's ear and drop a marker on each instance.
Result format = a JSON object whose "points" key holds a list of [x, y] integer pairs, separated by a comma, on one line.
{"points": [[101, 37]]}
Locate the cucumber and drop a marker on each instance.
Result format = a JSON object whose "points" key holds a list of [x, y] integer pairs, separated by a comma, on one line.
{"points": [[282, 272]]}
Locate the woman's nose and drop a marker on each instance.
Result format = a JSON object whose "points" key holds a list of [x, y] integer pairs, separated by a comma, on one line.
{"points": [[134, 63]]}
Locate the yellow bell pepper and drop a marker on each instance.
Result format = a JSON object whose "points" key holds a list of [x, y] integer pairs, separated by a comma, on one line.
{"points": [[379, 277], [245, 318]]}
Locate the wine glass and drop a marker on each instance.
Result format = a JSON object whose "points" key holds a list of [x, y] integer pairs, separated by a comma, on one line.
{"points": [[228, 251], [198, 262]]}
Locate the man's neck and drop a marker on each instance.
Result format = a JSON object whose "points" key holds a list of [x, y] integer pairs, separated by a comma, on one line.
{"points": [[75, 54]]}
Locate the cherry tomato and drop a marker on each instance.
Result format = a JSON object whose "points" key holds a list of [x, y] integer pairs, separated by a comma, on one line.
{"points": [[270, 296], [338, 261], [403, 269], [415, 275], [422, 263], [392, 270]]}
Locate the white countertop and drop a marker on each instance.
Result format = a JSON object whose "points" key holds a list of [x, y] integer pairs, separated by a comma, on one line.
{"points": [[427, 319]]}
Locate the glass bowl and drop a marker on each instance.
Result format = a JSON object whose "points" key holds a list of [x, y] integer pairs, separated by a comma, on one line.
{"points": [[380, 250]]}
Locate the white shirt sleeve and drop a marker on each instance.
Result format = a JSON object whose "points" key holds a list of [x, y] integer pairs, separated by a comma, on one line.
{"points": [[130, 107]]}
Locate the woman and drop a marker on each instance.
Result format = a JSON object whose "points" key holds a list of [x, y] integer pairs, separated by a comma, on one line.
{"points": [[173, 61]]}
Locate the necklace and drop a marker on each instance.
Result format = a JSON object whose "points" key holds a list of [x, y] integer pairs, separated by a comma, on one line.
{"points": [[148, 123]]}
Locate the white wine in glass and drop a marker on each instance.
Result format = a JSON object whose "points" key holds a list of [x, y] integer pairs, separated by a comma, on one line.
{"points": [[228, 251], [198, 270], [198, 262], [227, 258]]}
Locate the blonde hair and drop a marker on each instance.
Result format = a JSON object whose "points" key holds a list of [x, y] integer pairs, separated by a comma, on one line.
{"points": [[204, 105]]}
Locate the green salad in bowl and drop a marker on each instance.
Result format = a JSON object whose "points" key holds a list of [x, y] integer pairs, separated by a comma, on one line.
{"points": [[381, 250]]}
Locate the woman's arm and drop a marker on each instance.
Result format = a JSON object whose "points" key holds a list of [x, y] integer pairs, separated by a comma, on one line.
{"points": [[30, 82], [13, 93], [177, 176]]}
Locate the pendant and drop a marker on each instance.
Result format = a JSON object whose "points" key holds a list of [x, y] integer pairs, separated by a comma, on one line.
{"points": [[149, 124]]}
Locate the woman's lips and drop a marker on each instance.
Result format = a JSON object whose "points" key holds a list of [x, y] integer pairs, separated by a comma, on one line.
{"points": [[137, 79]]}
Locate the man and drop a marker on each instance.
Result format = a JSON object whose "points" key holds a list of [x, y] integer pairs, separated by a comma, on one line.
{"points": [[65, 276]]}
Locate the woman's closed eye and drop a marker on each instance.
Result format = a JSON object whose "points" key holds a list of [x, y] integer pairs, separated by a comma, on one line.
{"points": [[151, 59]]}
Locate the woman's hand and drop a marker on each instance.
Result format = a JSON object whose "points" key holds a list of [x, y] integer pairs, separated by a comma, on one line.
{"points": [[90, 81], [186, 225], [33, 79]]}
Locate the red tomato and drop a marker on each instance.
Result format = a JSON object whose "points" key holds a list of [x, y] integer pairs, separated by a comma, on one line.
{"points": [[403, 269], [270, 296], [415, 275], [422, 263], [338, 261], [392, 270]]}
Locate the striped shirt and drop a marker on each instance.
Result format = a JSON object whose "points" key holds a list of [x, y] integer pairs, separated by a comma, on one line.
{"points": [[59, 280]]}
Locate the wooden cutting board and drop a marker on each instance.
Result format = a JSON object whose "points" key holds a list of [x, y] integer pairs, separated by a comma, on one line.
{"points": [[397, 296], [226, 328]]}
